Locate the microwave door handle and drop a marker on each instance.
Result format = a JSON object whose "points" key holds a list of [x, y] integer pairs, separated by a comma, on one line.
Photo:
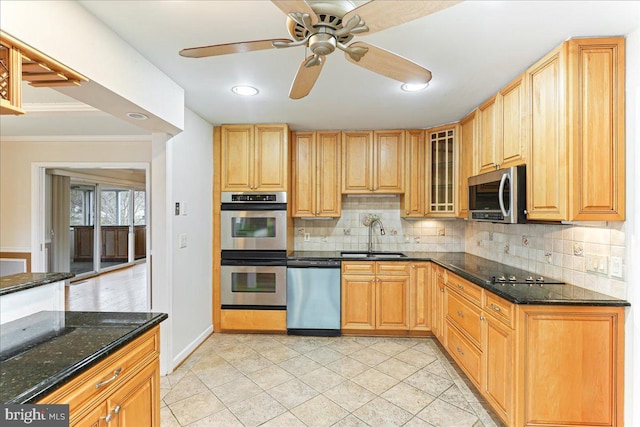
{"points": [[503, 180]]}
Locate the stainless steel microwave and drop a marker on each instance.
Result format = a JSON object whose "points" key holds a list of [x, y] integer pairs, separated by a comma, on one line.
{"points": [[499, 196]]}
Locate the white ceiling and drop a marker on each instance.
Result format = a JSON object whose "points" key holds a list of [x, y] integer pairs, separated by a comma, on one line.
{"points": [[473, 49]]}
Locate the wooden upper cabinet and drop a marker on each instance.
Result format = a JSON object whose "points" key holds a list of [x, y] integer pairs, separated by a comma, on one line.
{"points": [[316, 172], [388, 161], [596, 81], [512, 142], [412, 201], [468, 135], [548, 166], [576, 112], [254, 157], [441, 180], [488, 135], [373, 162]]}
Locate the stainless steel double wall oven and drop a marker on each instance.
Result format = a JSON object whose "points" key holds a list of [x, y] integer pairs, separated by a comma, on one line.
{"points": [[254, 250]]}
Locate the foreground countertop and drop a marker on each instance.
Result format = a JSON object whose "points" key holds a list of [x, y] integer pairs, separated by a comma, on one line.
{"points": [[21, 281], [41, 352], [476, 269]]}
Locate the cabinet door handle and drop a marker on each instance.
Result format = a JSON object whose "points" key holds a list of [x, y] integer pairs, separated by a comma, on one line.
{"points": [[461, 287], [108, 418], [441, 289], [495, 307], [460, 314], [459, 351], [116, 373], [117, 409], [482, 318]]}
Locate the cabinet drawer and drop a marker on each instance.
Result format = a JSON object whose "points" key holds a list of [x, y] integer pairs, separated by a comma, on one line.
{"points": [[392, 268], [465, 353], [464, 315], [358, 267], [465, 288], [107, 375], [501, 309]]}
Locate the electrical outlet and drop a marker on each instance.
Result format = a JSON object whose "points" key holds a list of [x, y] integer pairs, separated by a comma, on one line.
{"points": [[616, 267], [307, 237], [441, 231], [596, 263], [182, 240]]}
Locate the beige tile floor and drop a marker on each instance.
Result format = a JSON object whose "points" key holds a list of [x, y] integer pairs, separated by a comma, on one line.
{"points": [[280, 380]]}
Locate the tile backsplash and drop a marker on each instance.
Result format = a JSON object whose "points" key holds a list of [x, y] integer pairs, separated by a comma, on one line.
{"points": [[566, 252], [349, 233]]}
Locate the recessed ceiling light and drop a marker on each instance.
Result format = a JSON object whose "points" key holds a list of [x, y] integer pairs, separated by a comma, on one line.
{"points": [[244, 90], [137, 116], [414, 87]]}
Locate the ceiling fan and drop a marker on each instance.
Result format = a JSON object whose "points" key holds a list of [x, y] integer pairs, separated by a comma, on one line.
{"points": [[323, 25]]}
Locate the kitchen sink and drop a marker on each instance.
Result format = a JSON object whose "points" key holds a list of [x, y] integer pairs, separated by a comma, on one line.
{"points": [[365, 254]]}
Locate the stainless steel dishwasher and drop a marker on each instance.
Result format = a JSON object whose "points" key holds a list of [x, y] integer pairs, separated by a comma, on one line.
{"points": [[313, 297]]}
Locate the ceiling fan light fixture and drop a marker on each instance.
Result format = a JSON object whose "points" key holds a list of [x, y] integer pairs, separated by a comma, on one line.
{"points": [[244, 90], [414, 87]]}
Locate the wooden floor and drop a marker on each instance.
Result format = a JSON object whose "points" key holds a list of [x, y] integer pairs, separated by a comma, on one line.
{"points": [[120, 290]]}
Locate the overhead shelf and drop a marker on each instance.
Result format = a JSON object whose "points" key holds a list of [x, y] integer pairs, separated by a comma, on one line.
{"points": [[40, 70]]}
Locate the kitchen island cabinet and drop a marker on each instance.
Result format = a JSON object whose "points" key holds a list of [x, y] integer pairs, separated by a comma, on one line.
{"points": [[103, 365]]}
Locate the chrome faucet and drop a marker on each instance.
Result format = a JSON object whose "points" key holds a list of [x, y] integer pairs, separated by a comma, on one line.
{"points": [[371, 225]]}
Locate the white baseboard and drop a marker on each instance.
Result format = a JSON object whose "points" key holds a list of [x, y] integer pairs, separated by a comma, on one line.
{"points": [[191, 347]]}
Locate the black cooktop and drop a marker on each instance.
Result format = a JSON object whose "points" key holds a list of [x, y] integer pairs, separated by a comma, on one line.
{"points": [[492, 272]]}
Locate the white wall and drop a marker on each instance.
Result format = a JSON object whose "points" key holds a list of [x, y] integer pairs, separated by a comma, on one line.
{"points": [[16, 157], [190, 179], [632, 342]]}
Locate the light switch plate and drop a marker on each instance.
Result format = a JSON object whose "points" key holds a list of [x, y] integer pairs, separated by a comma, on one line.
{"points": [[182, 240]]}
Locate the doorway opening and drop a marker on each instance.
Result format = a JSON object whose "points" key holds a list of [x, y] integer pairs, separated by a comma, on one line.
{"points": [[96, 220]]}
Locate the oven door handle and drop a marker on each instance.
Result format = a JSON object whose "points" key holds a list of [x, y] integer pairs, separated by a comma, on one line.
{"points": [[253, 207], [255, 262]]}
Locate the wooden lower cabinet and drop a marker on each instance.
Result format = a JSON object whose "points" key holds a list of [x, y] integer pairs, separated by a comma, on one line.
{"points": [[570, 366], [498, 367], [253, 320], [122, 390], [390, 297], [420, 296], [437, 304], [536, 365]]}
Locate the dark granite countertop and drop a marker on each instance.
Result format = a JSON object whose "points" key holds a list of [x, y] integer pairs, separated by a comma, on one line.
{"points": [[21, 281], [477, 270], [41, 352]]}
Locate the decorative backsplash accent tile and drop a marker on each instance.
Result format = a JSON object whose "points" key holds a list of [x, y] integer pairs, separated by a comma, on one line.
{"points": [[349, 233], [566, 252]]}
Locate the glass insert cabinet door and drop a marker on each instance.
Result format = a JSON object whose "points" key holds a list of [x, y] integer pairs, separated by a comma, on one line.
{"points": [[441, 185]]}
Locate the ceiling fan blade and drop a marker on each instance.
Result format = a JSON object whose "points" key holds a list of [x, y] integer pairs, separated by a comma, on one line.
{"points": [[291, 6], [389, 64], [305, 77], [227, 48], [380, 15]]}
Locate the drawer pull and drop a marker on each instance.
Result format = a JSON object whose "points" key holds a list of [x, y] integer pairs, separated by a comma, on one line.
{"points": [[108, 418], [461, 287], [461, 314], [495, 307], [116, 373], [482, 318], [459, 351]]}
